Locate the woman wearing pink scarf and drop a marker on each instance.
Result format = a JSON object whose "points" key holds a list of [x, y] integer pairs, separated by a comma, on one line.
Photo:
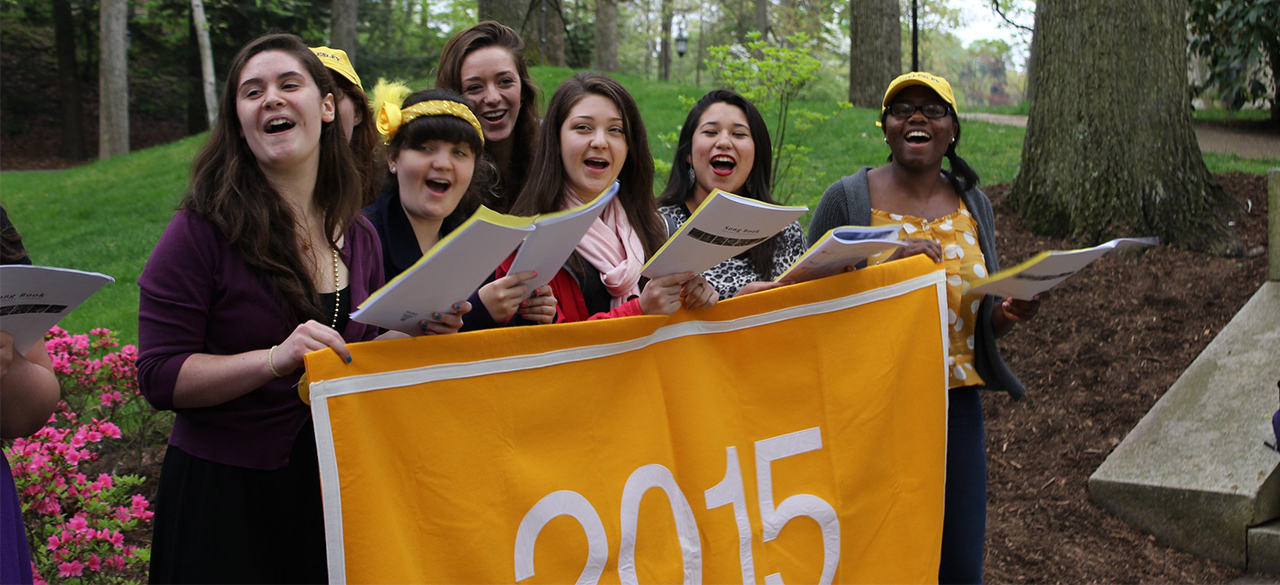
{"points": [[591, 136]]}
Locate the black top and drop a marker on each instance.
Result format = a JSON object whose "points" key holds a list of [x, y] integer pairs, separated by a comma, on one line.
{"points": [[400, 250]]}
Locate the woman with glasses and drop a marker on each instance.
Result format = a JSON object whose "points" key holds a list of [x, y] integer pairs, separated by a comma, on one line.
{"points": [[944, 216]]}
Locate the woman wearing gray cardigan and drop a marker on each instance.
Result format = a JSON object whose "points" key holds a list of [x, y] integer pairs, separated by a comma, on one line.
{"points": [[943, 215]]}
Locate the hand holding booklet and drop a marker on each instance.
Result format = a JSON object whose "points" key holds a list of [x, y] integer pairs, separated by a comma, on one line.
{"points": [[724, 226], [554, 238], [447, 273], [34, 298], [1046, 269], [838, 248]]}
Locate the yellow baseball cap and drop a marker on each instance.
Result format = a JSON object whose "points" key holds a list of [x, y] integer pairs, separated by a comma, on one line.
{"points": [[337, 60], [929, 80]]}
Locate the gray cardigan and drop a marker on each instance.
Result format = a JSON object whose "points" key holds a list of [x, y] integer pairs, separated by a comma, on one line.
{"points": [[848, 202]]}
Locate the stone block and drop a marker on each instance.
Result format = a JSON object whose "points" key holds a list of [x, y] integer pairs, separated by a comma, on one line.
{"points": [[1195, 471]]}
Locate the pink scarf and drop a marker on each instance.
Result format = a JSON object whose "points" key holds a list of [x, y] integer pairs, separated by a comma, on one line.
{"points": [[613, 248]]}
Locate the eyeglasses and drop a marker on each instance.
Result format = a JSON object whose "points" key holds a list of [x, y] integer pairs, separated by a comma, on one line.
{"points": [[932, 111]]}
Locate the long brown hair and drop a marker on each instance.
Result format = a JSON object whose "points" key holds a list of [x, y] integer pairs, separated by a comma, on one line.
{"points": [[759, 183], [229, 189], [449, 76], [365, 143], [544, 189], [11, 249]]}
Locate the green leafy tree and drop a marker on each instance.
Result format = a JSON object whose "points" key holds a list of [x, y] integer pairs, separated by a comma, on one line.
{"points": [[771, 75], [1239, 42]]}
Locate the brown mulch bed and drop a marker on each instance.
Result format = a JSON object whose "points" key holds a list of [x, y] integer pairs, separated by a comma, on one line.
{"points": [[1102, 351]]}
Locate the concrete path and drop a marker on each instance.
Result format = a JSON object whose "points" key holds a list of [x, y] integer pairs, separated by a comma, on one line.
{"points": [[1212, 137]]}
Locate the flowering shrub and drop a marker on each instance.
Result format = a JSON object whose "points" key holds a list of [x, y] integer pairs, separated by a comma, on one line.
{"points": [[76, 525]]}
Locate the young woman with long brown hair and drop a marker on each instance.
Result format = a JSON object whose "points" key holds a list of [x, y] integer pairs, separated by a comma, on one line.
{"points": [[485, 63], [260, 265], [592, 136]]}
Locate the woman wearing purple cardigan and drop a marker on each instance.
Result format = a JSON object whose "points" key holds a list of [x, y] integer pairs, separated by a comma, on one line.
{"points": [[261, 265]]}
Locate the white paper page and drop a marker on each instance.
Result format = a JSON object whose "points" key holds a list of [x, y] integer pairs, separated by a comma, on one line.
{"points": [[723, 227], [1047, 270], [34, 298], [554, 239], [448, 273], [839, 248]]}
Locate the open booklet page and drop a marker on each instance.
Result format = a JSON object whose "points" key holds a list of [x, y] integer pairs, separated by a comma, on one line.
{"points": [[554, 238], [838, 248], [34, 298], [1046, 269], [722, 227], [449, 272]]}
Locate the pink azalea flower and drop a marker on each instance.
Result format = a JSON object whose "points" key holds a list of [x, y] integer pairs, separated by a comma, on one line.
{"points": [[122, 514], [109, 429], [53, 542], [95, 563], [117, 562], [50, 507], [117, 539], [78, 523], [71, 569]]}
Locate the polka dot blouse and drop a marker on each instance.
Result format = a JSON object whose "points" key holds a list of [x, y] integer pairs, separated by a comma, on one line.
{"points": [[957, 234]]}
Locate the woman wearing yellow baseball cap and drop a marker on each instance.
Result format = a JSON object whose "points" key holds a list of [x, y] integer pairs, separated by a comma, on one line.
{"points": [[353, 113], [944, 216]]}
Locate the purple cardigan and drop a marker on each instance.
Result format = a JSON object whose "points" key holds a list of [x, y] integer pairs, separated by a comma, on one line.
{"points": [[199, 296]]}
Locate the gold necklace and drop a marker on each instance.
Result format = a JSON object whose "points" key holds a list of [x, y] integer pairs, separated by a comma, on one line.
{"points": [[337, 293]]}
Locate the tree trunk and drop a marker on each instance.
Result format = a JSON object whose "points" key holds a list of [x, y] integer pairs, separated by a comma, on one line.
{"points": [[508, 12], [206, 60], [113, 81], [555, 33], [197, 116], [607, 35], [664, 63], [342, 33], [72, 146], [762, 18], [875, 50], [1273, 52], [1110, 150]]}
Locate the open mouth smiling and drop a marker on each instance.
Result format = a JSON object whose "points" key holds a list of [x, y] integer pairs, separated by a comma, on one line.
{"points": [[494, 116], [278, 125], [598, 164], [918, 137], [723, 164], [438, 186]]}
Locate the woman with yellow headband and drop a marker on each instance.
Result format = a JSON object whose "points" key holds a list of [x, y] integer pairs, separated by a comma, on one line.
{"points": [[436, 171]]}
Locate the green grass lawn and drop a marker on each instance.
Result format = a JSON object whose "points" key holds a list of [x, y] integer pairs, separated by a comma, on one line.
{"points": [[106, 216]]}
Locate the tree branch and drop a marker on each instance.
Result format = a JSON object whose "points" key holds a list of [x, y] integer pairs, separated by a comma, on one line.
{"points": [[995, 5]]}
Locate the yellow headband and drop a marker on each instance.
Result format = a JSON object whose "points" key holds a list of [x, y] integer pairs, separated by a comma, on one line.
{"points": [[387, 97]]}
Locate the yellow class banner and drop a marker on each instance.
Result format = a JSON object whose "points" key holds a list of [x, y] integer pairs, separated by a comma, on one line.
{"points": [[795, 435]]}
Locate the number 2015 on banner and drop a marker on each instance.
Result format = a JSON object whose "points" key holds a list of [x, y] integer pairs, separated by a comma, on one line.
{"points": [[729, 492]]}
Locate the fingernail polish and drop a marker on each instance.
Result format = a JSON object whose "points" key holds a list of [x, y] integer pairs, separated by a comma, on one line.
{"points": [[348, 359], [457, 306], [435, 316]]}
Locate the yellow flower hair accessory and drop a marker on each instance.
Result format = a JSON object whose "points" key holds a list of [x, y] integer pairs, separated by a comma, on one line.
{"points": [[387, 97]]}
